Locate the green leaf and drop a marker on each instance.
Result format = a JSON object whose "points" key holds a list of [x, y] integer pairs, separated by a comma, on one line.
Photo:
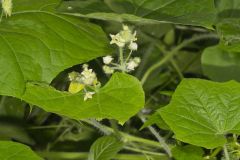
{"points": [[16, 151], [188, 152], [120, 98], [202, 112], [37, 44], [221, 65], [105, 148], [189, 12]]}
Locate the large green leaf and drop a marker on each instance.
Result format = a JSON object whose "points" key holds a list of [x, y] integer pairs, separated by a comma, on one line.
{"points": [[188, 152], [190, 12], [37, 44], [120, 98], [202, 112], [105, 148], [221, 65], [16, 151]]}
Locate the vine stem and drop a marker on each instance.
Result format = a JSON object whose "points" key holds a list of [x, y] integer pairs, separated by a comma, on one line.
{"points": [[158, 137], [226, 152], [142, 151], [169, 56], [108, 131], [215, 152]]}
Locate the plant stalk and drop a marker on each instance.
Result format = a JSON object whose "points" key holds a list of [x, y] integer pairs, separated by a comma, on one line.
{"points": [[170, 54]]}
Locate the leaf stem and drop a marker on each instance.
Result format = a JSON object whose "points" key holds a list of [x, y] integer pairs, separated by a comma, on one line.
{"points": [[169, 56], [48, 127], [215, 152], [129, 55], [84, 155], [121, 57], [142, 151]]}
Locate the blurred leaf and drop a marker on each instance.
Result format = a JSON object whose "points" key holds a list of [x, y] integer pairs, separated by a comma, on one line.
{"points": [[105, 148], [228, 23], [188, 152], [189, 62], [16, 151], [189, 12], [202, 112], [120, 98], [14, 129], [228, 30], [220, 64], [12, 107]]}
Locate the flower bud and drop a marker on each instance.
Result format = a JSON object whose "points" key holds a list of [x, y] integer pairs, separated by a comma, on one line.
{"points": [[107, 69], [88, 95], [107, 59], [133, 46]]}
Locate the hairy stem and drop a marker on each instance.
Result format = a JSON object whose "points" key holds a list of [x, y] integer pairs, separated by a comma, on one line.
{"points": [[142, 151], [107, 131], [226, 154], [160, 139], [121, 59]]}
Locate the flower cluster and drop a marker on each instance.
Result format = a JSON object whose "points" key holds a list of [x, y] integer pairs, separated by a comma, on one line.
{"points": [[85, 80], [126, 38], [7, 7]]}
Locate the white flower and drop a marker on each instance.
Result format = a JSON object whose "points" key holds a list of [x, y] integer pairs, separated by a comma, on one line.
{"points": [[133, 46], [107, 59], [107, 69], [137, 60], [85, 66], [125, 27], [133, 63], [73, 76], [88, 77], [7, 7], [127, 35], [124, 37], [88, 95], [117, 39]]}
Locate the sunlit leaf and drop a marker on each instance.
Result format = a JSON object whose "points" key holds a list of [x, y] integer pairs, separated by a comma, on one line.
{"points": [[120, 98], [37, 44], [202, 112]]}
